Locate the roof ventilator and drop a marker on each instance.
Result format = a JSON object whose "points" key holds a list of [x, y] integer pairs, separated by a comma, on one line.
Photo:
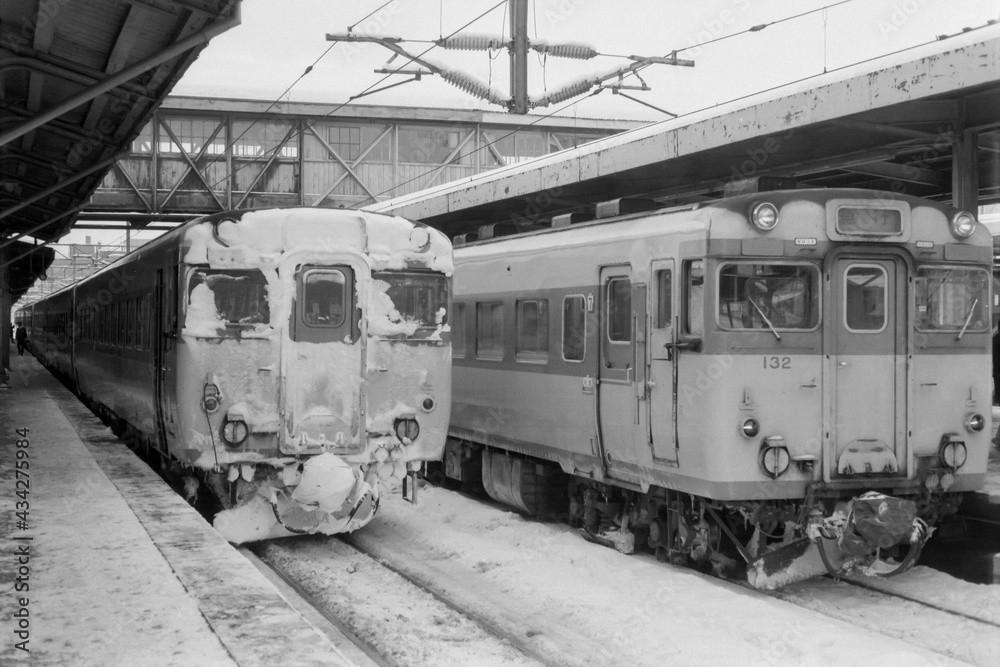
{"points": [[624, 206]]}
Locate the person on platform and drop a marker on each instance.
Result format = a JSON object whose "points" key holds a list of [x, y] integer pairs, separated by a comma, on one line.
{"points": [[21, 337]]}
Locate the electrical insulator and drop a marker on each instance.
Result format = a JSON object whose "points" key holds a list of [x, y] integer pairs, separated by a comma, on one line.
{"points": [[471, 43], [578, 51], [472, 86], [569, 92]]}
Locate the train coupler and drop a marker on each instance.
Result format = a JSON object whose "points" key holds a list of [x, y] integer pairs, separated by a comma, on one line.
{"points": [[875, 535], [410, 486]]}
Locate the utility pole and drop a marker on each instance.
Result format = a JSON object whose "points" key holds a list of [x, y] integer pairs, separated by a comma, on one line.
{"points": [[519, 56]]}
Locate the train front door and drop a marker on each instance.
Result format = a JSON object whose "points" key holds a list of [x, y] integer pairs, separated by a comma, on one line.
{"points": [[661, 403], [622, 413], [866, 367]]}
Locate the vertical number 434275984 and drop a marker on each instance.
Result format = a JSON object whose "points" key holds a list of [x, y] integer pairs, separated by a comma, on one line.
{"points": [[777, 362]]}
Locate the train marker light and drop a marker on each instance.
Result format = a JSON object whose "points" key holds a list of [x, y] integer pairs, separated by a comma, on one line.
{"points": [[974, 422], [211, 397], [774, 458], [963, 224], [235, 432], [750, 428], [407, 429], [764, 216], [427, 404], [952, 452]]}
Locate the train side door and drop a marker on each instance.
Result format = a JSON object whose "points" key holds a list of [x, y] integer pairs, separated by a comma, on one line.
{"points": [[866, 404], [622, 372], [164, 352], [661, 401]]}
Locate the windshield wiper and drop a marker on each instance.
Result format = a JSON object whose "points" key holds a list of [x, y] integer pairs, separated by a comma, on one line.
{"points": [[968, 318], [764, 317]]}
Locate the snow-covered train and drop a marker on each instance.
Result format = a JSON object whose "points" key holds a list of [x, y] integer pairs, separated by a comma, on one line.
{"points": [[287, 358], [795, 379]]}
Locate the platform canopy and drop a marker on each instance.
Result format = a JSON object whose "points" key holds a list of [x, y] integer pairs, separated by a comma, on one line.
{"points": [[78, 80], [924, 121]]}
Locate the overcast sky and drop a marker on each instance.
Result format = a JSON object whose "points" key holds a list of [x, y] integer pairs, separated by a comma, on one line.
{"points": [[278, 39]]}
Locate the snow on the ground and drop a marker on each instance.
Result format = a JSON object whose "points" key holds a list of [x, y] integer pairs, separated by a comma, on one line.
{"points": [[635, 610]]}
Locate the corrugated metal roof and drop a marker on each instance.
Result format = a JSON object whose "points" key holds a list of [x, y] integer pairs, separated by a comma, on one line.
{"points": [[78, 80]]}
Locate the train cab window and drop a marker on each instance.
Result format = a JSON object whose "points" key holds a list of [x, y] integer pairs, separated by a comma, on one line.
{"points": [[414, 305], [865, 287], [240, 296], [952, 299], [618, 301], [325, 305], [532, 330], [458, 330], [489, 330], [663, 305], [768, 296], [574, 328], [694, 298], [324, 296]]}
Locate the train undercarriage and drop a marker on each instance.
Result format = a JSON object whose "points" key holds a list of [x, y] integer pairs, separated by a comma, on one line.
{"points": [[768, 543]]}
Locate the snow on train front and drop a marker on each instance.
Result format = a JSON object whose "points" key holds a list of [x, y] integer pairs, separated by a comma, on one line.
{"points": [[316, 348]]}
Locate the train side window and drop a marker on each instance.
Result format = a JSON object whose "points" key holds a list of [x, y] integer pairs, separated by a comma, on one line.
{"points": [[619, 309], [140, 334], [574, 328], [694, 300], [663, 304], [116, 326], [129, 324], [489, 330], [458, 330], [865, 288], [532, 330]]}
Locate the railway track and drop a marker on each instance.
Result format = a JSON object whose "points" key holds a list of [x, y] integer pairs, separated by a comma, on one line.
{"points": [[889, 607], [393, 617]]}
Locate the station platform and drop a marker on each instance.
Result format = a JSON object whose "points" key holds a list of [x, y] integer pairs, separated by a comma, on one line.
{"points": [[101, 563]]}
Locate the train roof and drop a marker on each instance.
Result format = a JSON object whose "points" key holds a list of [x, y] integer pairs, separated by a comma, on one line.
{"points": [[255, 237], [646, 218]]}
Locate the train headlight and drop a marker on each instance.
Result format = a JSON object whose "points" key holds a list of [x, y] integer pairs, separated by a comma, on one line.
{"points": [[975, 422], [407, 430], [774, 459], [420, 239], [235, 432], [764, 216], [750, 428], [963, 224], [952, 453], [211, 397]]}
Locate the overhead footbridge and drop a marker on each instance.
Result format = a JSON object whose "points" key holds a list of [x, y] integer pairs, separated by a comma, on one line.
{"points": [[924, 121]]}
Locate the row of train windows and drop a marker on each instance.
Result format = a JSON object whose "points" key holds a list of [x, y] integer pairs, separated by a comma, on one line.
{"points": [[531, 317], [532, 326], [123, 324]]}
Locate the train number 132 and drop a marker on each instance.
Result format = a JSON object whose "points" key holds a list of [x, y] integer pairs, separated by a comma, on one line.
{"points": [[777, 362]]}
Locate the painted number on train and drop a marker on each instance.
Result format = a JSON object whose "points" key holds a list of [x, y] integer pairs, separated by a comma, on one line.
{"points": [[777, 362]]}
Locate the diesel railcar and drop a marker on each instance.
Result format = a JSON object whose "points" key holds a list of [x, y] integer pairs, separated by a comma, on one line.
{"points": [[798, 380], [288, 359]]}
